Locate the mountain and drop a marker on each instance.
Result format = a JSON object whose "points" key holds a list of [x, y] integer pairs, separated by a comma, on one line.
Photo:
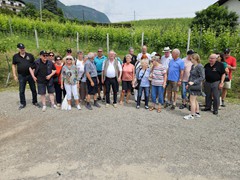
{"points": [[77, 11]]}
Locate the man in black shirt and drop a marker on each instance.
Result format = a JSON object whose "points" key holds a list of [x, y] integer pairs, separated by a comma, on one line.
{"points": [[215, 75], [134, 57], [21, 63], [42, 72]]}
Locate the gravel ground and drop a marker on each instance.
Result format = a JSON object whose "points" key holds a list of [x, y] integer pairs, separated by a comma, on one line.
{"points": [[123, 143]]}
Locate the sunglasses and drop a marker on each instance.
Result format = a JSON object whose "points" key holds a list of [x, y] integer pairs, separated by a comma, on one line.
{"points": [[99, 51], [69, 59], [51, 55], [45, 55]]}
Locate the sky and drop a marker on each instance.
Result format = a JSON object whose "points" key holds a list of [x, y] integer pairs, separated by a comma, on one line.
{"points": [[123, 10]]}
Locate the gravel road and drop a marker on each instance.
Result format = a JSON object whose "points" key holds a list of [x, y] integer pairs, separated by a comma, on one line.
{"points": [[122, 144]]}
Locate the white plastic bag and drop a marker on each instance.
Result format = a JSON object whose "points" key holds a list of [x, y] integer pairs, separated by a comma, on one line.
{"points": [[65, 103]]}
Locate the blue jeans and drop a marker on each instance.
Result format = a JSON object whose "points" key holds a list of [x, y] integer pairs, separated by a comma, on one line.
{"points": [[146, 94], [22, 86], [157, 91], [184, 90]]}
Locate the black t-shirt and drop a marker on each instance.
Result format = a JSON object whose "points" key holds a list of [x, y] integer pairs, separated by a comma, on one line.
{"points": [[134, 60], [23, 63], [42, 72], [214, 73]]}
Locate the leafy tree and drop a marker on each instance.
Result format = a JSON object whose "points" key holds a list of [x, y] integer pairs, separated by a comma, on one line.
{"points": [[29, 11], [216, 17], [51, 5]]}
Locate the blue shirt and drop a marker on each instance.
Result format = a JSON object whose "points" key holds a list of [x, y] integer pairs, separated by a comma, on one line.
{"points": [[174, 69], [144, 81], [99, 62]]}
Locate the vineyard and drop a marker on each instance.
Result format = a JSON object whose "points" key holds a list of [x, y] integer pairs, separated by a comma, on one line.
{"points": [[157, 34]]}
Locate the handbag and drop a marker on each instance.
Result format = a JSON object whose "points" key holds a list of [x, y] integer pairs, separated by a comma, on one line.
{"points": [[195, 87], [226, 78], [138, 81], [64, 103]]}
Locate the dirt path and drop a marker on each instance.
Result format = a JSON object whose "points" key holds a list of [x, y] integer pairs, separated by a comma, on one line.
{"points": [[123, 143]]}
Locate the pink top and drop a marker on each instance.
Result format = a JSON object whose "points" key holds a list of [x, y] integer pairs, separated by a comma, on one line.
{"points": [[127, 72], [187, 68]]}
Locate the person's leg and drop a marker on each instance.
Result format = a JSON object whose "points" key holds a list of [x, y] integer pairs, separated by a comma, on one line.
{"points": [[193, 104], [160, 95], [197, 106], [115, 87], [43, 99], [208, 97], [75, 94], [216, 96], [22, 86], [154, 95], [139, 95], [146, 95], [107, 84], [99, 87], [33, 88], [58, 93], [51, 97], [69, 93], [128, 95], [224, 95], [175, 98]]}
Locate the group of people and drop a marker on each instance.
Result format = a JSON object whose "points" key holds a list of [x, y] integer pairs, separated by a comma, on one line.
{"points": [[148, 76]]}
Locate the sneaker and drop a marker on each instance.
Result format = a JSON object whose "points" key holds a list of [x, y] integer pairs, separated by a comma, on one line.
{"points": [[173, 107], [79, 107], [115, 105], [223, 105], [182, 106], [188, 117], [107, 105], [146, 107], [89, 107], [21, 106], [36, 104], [54, 106], [103, 99], [197, 115], [69, 108], [137, 107], [96, 105], [44, 108], [59, 105], [166, 105]]}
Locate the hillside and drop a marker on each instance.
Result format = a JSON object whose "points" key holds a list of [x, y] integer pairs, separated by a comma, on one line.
{"points": [[76, 11]]}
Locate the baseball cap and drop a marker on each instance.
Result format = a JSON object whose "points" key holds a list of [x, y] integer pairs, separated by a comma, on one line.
{"points": [[20, 46], [69, 50], [227, 51], [43, 52], [190, 52]]}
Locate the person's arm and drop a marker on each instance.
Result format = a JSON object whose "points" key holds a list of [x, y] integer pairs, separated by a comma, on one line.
{"points": [[165, 80], [120, 72], [14, 67], [53, 72], [102, 76], [32, 74], [181, 77], [62, 78]]}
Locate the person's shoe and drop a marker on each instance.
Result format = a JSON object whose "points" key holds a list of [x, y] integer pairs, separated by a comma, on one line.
{"points": [[146, 107], [107, 105], [21, 106], [215, 112], [103, 99], [69, 108], [79, 107], [59, 105], [188, 117], [88, 106], [96, 105], [54, 106], [99, 98], [197, 115], [173, 107], [166, 105], [206, 109], [182, 106], [44, 108], [36, 104], [115, 105], [223, 105], [137, 107]]}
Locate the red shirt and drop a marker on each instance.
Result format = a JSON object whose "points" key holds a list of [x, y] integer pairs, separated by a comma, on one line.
{"points": [[127, 72], [58, 72], [232, 62]]}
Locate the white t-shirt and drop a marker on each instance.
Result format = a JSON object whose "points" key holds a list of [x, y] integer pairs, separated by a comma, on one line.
{"points": [[111, 70], [80, 68], [139, 56], [165, 61]]}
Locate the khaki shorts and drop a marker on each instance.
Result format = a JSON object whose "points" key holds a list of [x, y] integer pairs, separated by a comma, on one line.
{"points": [[228, 85], [172, 86]]}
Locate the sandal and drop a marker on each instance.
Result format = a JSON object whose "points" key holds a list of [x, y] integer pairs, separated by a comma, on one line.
{"points": [[121, 103], [159, 110], [151, 108]]}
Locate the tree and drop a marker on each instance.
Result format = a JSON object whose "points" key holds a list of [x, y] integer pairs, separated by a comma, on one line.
{"points": [[29, 11], [216, 17], [51, 5]]}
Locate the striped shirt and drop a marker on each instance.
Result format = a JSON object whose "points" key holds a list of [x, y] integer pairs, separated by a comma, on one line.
{"points": [[158, 75]]}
